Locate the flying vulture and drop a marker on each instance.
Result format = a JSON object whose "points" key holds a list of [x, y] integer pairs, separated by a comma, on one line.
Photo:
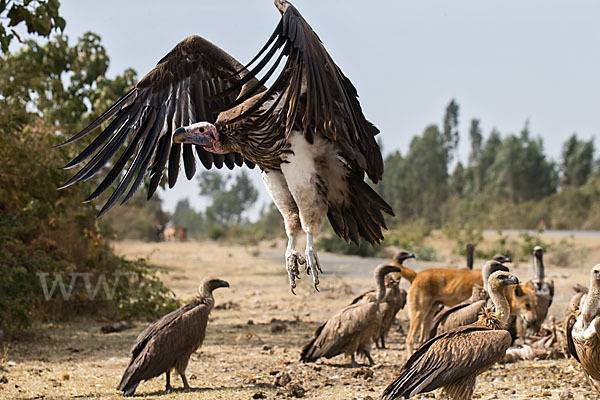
{"points": [[583, 329], [306, 132], [169, 342], [353, 328], [544, 290], [453, 359]]}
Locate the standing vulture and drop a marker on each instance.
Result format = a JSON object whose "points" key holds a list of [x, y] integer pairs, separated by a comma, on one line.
{"points": [[393, 301], [544, 290], [168, 343], [306, 132], [583, 330], [453, 359], [352, 329]]}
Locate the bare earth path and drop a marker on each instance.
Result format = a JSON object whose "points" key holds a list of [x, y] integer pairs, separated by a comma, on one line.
{"points": [[252, 346]]}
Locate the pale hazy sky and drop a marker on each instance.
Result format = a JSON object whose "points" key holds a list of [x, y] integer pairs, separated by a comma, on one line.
{"points": [[503, 61]]}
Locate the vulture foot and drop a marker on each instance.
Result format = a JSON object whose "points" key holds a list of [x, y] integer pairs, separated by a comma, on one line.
{"points": [[292, 259], [313, 267]]}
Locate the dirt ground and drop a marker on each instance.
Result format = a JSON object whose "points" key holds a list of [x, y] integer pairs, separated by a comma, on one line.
{"points": [[252, 344]]}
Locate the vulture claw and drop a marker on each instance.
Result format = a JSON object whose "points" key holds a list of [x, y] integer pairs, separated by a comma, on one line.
{"points": [[313, 266], [292, 259]]}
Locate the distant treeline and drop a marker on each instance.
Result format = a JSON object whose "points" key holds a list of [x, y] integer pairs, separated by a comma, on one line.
{"points": [[508, 181]]}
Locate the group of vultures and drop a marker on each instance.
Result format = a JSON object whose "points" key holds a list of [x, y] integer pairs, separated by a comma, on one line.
{"points": [[473, 322], [315, 148]]}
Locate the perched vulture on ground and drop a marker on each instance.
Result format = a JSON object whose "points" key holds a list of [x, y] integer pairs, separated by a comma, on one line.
{"points": [[453, 359], [168, 343], [393, 301], [544, 290], [352, 329], [306, 132], [583, 329]]}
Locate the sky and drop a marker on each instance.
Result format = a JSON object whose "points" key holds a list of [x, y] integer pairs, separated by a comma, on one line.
{"points": [[504, 62]]}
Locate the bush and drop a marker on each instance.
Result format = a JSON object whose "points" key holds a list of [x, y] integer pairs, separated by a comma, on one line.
{"points": [[47, 233]]}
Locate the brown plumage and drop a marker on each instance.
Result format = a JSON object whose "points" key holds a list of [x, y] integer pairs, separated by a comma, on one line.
{"points": [[453, 359], [306, 132], [583, 329], [393, 301], [352, 329], [544, 289], [169, 342]]}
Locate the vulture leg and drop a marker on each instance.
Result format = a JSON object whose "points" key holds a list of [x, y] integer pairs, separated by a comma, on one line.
{"points": [[284, 201], [353, 361], [168, 386], [305, 182], [185, 382], [312, 261], [382, 342]]}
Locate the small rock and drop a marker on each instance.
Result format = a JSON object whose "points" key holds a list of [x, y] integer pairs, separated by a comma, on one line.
{"points": [[282, 379], [250, 322], [565, 395], [4, 379], [65, 377], [266, 347], [259, 395], [296, 390], [365, 373], [277, 327]]}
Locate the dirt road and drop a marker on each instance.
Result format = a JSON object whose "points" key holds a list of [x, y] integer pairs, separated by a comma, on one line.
{"points": [[252, 346]]}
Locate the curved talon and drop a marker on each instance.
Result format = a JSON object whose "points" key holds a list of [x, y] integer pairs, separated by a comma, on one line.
{"points": [[313, 266], [292, 259]]}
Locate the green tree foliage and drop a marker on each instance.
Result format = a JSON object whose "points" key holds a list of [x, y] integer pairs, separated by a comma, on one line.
{"points": [[186, 217], [138, 219], [229, 202], [46, 90], [577, 161], [41, 18]]}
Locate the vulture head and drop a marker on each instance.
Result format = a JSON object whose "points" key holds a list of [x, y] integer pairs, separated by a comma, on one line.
{"points": [[401, 256], [202, 134], [502, 259], [538, 252], [501, 279], [207, 286], [595, 281], [382, 270]]}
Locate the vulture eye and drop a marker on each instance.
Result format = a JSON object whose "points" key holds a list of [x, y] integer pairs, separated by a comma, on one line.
{"points": [[201, 130]]}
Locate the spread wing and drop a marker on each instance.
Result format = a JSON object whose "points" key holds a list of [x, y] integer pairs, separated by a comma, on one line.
{"points": [[448, 358], [311, 94], [182, 89]]}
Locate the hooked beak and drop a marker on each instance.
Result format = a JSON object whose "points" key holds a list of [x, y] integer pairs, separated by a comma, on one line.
{"points": [[507, 259], [223, 284], [513, 280], [411, 255], [187, 134]]}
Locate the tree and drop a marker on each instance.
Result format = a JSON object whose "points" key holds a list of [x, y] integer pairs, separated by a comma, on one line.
{"points": [[229, 202], [476, 141], [577, 161], [186, 217], [41, 17], [450, 132]]}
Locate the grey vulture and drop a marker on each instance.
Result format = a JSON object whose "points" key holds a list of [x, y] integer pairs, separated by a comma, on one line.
{"points": [[393, 301], [454, 359], [352, 329], [583, 329], [168, 343], [544, 289], [306, 132]]}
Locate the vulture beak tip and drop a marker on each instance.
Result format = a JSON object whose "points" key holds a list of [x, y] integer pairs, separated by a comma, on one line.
{"points": [[190, 135]]}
